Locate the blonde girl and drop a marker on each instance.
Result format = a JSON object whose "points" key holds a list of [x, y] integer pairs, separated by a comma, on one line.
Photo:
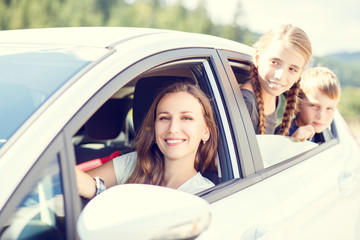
{"points": [[280, 57]]}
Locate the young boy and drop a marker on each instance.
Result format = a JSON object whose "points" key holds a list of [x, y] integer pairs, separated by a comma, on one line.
{"points": [[319, 97]]}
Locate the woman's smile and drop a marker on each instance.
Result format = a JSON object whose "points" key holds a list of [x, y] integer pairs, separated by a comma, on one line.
{"points": [[174, 141]]}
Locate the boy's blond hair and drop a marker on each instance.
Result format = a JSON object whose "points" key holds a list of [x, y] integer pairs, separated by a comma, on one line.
{"points": [[320, 78]]}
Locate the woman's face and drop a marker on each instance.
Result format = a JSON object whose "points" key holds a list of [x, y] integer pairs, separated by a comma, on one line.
{"points": [[180, 126], [279, 67]]}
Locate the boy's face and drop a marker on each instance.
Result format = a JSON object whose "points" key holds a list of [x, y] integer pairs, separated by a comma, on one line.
{"points": [[316, 109]]}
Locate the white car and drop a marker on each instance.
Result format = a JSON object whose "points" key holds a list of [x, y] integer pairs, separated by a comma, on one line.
{"points": [[76, 96]]}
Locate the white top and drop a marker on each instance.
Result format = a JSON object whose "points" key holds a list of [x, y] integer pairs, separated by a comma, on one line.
{"points": [[124, 165]]}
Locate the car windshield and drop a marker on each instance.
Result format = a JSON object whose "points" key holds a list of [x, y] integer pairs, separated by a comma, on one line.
{"points": [[31, 74]]}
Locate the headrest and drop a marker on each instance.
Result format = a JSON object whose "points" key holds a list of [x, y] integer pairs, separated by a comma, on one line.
{"points": [[146, 90], [109, 120]]}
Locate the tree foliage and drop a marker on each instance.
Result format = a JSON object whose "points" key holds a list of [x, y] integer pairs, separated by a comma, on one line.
{"points": [[20, 14], [349, 102], [346, 67]]}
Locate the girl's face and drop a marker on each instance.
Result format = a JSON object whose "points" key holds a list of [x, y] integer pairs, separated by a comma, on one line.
{"points": [[279, 67], [180, 126]]}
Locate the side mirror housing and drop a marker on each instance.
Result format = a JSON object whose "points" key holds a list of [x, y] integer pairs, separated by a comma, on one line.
{"points": [[139, 211]]}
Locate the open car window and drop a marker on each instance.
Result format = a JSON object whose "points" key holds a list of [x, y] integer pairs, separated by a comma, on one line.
{"points": [[110, 131], [273, 148]]}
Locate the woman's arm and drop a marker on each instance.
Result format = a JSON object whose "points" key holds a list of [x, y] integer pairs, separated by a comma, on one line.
{"points": [[85, 180]]}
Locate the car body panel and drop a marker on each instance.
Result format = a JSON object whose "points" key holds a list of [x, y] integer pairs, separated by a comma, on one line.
{"points": [[332, 211]]}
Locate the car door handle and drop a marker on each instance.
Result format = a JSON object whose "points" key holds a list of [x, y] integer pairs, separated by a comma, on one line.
{"points": [[258, 233], [347, 182]]}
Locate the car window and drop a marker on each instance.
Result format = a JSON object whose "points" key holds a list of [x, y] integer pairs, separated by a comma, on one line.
{"points": [[111, 129], [40, 215], [272, 152], [29, 75]]}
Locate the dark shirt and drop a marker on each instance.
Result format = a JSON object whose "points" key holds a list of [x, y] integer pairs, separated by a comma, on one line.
{"points": [[292, 129], [252, 106]]}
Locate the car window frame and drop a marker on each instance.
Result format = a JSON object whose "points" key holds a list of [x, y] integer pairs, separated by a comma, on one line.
{"points": [[221, 83], [241, 123]]}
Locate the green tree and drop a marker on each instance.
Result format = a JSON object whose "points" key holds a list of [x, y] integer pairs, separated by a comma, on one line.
{"points": [[349, 102]]}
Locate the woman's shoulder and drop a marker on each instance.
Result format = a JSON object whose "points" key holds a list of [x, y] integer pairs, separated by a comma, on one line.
{"points": [[124, 166], [126, 158]]}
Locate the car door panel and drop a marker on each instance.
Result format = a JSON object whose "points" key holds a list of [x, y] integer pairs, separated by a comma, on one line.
{"points": [[301, 202], [314, 206], [311, 195], [251, 213]]}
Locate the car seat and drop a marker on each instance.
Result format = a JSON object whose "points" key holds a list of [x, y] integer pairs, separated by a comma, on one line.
{"points": [[146, 90], [106, 124]]}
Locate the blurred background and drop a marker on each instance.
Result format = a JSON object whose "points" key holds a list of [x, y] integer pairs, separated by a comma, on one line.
{"points": [[332, 26]]}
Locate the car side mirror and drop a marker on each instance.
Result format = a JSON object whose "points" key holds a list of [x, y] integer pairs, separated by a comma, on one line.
{"points": [[140, 211]]}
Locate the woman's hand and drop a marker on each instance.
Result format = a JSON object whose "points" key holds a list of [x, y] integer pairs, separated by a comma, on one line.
{"points": [[85, 184], [304, 132]]}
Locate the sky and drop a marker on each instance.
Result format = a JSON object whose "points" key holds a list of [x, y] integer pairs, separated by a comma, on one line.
{"points": [[333, 26]]}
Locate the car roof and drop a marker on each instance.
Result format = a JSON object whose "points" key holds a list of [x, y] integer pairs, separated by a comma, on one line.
{"points": [[84, 36], [108, 37]]}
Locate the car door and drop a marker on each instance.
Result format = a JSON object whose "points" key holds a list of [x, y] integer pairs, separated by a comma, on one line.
{"points": [[309, 194], [200, 65], [242, 208], [236, 170], [42, 206]]}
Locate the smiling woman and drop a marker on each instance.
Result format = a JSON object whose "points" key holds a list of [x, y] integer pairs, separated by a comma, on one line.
{"points": [[179, 128], [179, 120], [176, 142]]}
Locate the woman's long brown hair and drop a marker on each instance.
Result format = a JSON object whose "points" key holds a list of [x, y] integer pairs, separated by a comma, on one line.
{"points": [[149, 167]]}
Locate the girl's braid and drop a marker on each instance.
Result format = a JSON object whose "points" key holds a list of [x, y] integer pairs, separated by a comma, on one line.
{"points": [[292, 100], [260, 101]]}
